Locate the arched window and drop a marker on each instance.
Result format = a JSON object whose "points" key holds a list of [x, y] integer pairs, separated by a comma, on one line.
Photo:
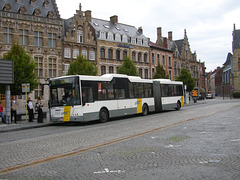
{"points": [[139, 57], [102, 53], [145, 57], [118, 54], [110, 54], [124, 54], [79, 35], [103, 70], [134, 56]]}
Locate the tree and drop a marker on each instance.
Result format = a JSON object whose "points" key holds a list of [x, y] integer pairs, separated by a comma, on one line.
{"points": [[82, 67], [160, 73], [128, 67], [187, 79], [24, 69]]}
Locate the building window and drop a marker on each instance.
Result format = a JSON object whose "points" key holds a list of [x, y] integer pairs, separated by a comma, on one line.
{"points": [[146, 74], [145, 58], [38, 91], [153, 58], [39, 66], [111, 70], [52, 40], [124, 39], [163, 60], [102, 53], [170, 74], [67, 53], [110, 36], [92, 55], [84, 53], [118, 37], [7, 35], [140, 72], [158, 58], [139, 57], [103, 70], [118, 54], [169, 62], [153, 72], [175, 69], [52, 67], [133, 56], [66, 68], [110, 54], [102, 35], [38, 38], [239, 64], [75, 53], [23, 37], [124, 54], [79, 36], [133, 40]]}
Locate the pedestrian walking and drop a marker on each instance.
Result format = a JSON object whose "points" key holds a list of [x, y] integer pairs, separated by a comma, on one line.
{"points": [[30, 109], [1, 113], [40, 112], [14, 110]]}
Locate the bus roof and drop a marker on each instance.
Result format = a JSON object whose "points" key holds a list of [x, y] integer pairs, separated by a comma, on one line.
{"points": [[109, 77]]}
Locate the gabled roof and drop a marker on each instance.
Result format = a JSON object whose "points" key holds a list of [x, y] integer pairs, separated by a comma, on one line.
{"points": [[228, 60], [179, 44], [122, 29], [39, 4], [158, 46]]}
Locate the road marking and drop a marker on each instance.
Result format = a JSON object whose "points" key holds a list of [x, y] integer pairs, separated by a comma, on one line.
{"points": [[86, 149]]}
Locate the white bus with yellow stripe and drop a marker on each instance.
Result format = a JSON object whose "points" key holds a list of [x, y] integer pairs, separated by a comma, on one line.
{"points": [[81, 98]]}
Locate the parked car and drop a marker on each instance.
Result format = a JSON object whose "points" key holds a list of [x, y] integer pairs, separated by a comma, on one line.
{"points": [[209, 96]]}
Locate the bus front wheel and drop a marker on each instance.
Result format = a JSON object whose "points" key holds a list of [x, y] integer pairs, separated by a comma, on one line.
{"points": [[103, 115], [178, 105]]}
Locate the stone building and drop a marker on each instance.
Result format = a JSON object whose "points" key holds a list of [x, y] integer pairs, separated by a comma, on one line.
{"points": [[227, 78], [236, 59], [115, 41], [37, 26], [79, 38]]}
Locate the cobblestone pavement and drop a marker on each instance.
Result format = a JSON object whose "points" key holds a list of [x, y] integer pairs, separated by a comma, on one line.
{"points": [[205, 146]]}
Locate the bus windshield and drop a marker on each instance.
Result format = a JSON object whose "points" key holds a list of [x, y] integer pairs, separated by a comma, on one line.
{"points": [[64, 92]]}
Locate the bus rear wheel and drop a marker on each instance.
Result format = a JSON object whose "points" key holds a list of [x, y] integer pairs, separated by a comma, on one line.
{"points": [[145, 110], [103, 115]]}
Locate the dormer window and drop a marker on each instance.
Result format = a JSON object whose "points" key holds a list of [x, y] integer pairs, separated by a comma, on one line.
{"points": [[118, 28], [102, 35], [125, 30], [110, 36], [50, 14], [95, 24], [22, 10], [124, 39], [117, 37], [7, 7], [37, 12], [33, 2], [106, 26], [46, 3]]}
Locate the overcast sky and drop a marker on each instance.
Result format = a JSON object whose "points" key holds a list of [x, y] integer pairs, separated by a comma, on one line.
{"points": [[209, 23]]}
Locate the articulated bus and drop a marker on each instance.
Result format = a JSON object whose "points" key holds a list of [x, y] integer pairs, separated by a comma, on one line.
{"points": [[80, 98]]}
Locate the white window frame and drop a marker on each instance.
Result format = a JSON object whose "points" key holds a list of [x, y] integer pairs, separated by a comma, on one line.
{"points": [[92, 55], [124, 38], [79, 36], [118, 37], [75, 53], [67, 52], [84, 53]]}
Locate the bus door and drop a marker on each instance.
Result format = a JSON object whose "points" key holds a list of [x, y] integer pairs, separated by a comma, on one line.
{"points": [[157, 96]]}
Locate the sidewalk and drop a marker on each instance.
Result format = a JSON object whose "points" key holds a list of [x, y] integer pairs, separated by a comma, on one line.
{"points": [[21, 125]]}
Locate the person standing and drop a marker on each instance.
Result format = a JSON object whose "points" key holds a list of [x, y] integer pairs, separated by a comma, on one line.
{"points": [[40, 112], [14, 110], [1, 113], [30, 109]]}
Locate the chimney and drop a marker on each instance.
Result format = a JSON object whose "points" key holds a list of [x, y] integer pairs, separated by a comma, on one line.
{"points": [[140, 30], [170, 35], [165, 42], [88, 15], [114, 19], [159, 35]]}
